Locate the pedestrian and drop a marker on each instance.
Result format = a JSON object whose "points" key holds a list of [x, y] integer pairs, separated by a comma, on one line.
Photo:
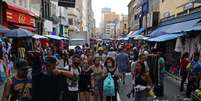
{"points": [[47, 78], [21, 52], [184, 61], [111, 68], [65, 56], [85, 82], [19, 87], [112, 53], [194, 68], [122, 60], [73, 82], [143, 81], [161, 66], [97, 79]]}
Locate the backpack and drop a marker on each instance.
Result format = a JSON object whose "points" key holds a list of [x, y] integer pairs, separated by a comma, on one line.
{"points": [[109, 86]]}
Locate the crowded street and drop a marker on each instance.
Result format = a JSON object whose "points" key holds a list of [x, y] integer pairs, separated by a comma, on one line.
{"points": [[100, 50]]}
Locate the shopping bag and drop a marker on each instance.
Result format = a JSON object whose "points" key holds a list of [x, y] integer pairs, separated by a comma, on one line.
{"points": [[2, 72], [108, 86]]}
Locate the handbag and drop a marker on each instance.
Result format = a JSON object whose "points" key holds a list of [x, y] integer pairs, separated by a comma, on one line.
{"points": [[109, 86]]}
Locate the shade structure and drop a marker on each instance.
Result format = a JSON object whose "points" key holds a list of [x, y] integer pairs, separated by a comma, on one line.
{"points": [[157, 33], [18, 33], [135, 33], [140, 37], [178, 27], [165, 37], [36, 36], [3, 29], [56, 37]]}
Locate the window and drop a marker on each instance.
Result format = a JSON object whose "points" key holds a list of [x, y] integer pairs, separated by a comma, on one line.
{"points": [[70, 21], [125, 26]]}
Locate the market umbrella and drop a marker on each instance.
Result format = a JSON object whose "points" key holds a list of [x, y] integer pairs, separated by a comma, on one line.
{"points": [[36, 36], [18, 33], [3, 29]]}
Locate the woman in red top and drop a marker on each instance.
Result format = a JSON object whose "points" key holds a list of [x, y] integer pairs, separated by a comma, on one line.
{"points": [[183, 67]]}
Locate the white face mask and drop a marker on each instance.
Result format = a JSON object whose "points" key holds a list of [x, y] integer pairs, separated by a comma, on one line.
{"points": [[109, 64]]}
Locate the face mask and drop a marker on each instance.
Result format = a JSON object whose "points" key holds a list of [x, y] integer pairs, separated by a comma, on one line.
{"points": [[109, 64]]}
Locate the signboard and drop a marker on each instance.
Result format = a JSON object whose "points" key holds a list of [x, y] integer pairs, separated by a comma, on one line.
{"points": [[19, 18], [67, 3]]}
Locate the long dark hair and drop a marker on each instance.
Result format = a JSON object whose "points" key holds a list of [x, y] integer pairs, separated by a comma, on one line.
{"points": [[186, 54], [109, 58]]}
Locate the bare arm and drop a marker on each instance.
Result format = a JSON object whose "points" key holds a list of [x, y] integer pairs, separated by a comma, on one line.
{"points": [[6, 91]]}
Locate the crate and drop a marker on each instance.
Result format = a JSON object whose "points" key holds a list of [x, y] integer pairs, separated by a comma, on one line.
{"points": [[194, 97]]}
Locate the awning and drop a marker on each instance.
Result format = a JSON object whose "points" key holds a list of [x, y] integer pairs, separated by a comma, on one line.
{"points": [[36, 36], [26, 27], [178, 27], [157, 33], [129, 34], [135, 33], [56, 37], [3, 29], [165, 37], [141, 37]]}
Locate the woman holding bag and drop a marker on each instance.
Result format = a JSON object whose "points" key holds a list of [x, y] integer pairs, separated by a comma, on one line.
{"points": [[110, 69]]}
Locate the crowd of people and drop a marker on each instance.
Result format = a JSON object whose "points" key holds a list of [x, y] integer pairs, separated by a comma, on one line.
{"points": [[85, 73]]}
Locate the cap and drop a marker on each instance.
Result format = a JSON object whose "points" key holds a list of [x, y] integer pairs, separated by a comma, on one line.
{"points": [[50, 60], [22, 64]]}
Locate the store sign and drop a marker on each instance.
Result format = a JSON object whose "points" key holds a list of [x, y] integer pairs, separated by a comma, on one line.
{"points": [[67, 3], [19, 18]]}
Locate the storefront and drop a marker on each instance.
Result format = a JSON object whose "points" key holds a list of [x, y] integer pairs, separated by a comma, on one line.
{"points": [[18, 17]]}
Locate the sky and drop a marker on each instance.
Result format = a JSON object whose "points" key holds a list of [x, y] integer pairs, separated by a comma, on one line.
{"points": [[118, 6]]}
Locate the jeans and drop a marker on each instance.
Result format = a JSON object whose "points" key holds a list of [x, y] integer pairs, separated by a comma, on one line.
{"points": [[184, 75], [140, 97], [72, 96]]}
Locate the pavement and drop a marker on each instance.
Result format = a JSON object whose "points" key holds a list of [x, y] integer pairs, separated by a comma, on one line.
{"points": [[171, 89]]}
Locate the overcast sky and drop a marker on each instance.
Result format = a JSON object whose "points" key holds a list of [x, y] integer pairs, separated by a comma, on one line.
{"points": [[118, 6]]}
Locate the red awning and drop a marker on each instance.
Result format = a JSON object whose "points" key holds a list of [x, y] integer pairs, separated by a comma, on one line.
{"points": [[26, 27], [14, 7]]}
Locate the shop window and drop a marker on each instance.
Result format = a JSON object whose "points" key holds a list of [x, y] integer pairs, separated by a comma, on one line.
{"points": [[70, 21]]}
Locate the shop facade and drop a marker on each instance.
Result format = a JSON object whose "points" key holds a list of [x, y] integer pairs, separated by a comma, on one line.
{"points": [[176, 36], [18, 17]]}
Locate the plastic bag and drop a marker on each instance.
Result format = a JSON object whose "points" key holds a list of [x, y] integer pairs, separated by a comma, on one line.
{"points": [[2, 73], [108, 86]]}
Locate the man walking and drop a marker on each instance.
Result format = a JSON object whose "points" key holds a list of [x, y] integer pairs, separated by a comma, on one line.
{"points": [[122, 60]]}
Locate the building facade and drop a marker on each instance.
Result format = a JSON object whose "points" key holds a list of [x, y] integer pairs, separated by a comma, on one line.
{"points": [[143, 14], [103, 12], [123, 25], [173, 8]]}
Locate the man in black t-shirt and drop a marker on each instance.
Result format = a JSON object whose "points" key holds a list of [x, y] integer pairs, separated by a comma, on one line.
{"points": [[47, 81]]}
